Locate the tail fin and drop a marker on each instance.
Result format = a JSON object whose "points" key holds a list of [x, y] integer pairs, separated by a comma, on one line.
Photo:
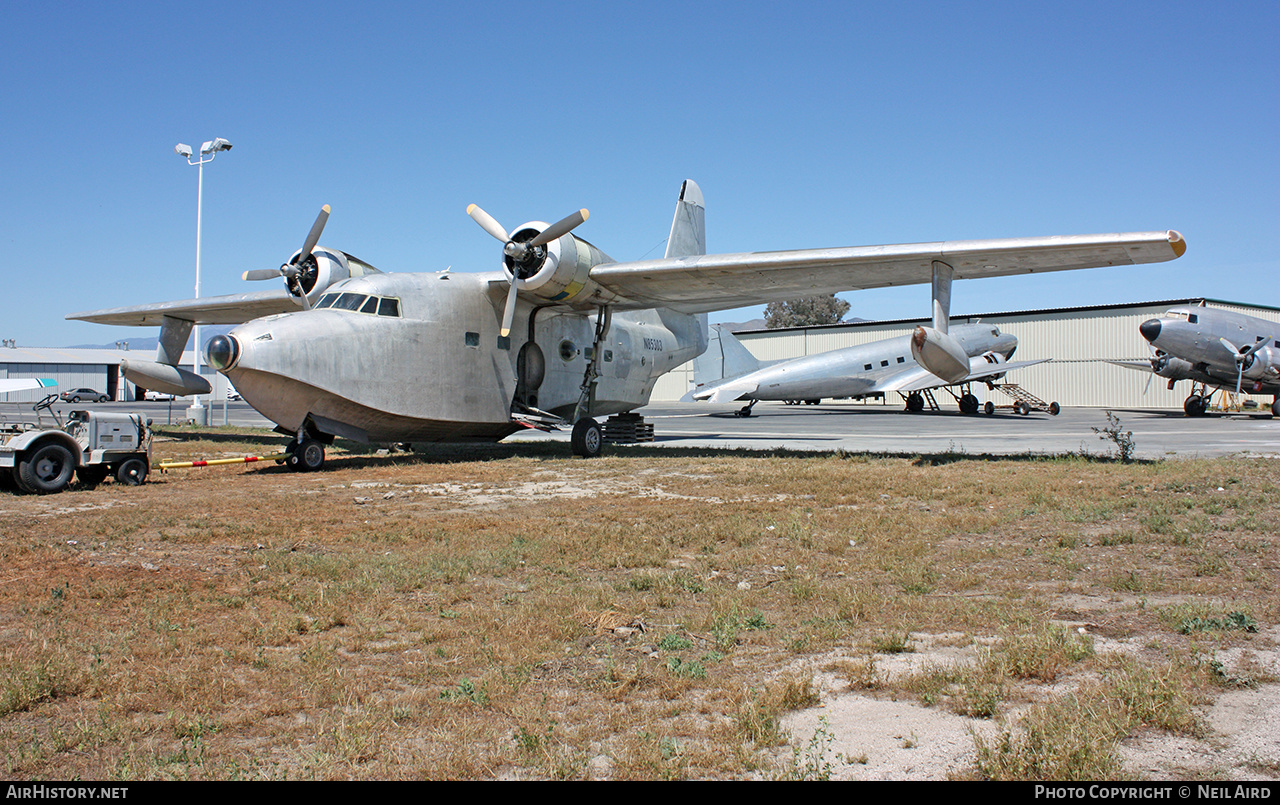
{"points": [[689, 229], [725, 358]]}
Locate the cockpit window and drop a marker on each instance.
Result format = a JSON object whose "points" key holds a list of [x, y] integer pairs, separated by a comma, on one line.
{"points": [[1178, 314], [361, 303]]}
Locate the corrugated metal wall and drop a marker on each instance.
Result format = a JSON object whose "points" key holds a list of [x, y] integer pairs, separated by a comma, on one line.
{"points": [[1079, 341]]}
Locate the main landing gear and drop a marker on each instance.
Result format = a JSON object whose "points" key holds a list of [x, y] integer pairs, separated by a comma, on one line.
{"points": [[304, 455]]}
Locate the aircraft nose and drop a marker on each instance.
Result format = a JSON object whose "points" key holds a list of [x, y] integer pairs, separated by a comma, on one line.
{"points": [[223, 352], [1150, 329]]}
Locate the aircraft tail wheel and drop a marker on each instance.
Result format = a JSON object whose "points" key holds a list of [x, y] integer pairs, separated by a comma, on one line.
{"points": [[989, 408], [587, 439], [1054, 409], [307, 456]]}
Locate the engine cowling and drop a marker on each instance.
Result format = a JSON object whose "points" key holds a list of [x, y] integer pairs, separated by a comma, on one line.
{"points": [[325, 268], [559, 271], [940, 353], [1172, 368], [1263, 366]]}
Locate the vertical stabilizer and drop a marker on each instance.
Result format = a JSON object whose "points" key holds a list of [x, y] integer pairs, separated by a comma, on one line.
{"points": [[689, 229], [725, 358]]}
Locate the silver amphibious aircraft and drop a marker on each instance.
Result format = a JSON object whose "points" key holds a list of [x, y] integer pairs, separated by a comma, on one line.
{"points": [[1215, 350], [562, 334], [727, 371]]}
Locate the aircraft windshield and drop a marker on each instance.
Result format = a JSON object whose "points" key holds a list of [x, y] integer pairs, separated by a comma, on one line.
{"points": [[361, 303]]}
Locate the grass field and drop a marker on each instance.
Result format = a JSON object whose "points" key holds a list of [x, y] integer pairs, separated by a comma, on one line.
{"points": [[510, 612]]}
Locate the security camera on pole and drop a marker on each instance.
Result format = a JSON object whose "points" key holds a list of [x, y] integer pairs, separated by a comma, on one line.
{"points": [[197, 412]]}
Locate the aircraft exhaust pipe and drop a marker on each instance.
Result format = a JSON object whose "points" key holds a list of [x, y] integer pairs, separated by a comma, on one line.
{"points": [[164, 378], [940, 353]]}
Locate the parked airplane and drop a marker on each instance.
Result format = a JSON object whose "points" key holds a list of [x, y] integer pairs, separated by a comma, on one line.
{"points": [[561, 335], [727, 371], [1214, 349]]}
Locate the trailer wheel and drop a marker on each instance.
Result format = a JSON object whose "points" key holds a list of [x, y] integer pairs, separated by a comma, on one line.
{"points": [[47, 469], [1054, 409], [131, 472], [989, 408]]}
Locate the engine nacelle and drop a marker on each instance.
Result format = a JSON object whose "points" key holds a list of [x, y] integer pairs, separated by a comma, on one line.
{"points": [[1172, 368], [940, 353], [1263, 366], [560, 271], [325, 268]]}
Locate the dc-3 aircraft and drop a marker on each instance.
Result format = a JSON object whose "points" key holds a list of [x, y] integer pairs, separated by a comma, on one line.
{"points": [[727, 371], [562, 334], [1215, 350]]}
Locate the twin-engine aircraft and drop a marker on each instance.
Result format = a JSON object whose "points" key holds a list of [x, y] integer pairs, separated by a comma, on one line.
{"points": [[727, 371], [1215, 350], [561, 335]]}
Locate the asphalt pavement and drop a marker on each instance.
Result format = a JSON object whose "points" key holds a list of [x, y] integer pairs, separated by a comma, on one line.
{"points": [[887, 428]]}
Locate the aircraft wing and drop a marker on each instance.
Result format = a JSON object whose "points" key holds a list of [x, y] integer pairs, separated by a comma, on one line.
{"points": [[1140, 365], [9, 384], [229, 309], [698, 284], [917, 378]]}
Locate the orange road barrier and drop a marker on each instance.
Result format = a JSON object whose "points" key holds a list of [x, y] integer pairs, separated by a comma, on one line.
{"points": [[165, 466]]}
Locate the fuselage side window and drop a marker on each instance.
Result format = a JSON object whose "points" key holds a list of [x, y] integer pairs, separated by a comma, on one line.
{"points": [[389, 306]]}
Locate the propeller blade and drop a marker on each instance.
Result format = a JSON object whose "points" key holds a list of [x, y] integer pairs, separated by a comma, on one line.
{"points": [[509, 313], [487, 222], [261, 274], [1147, 387], [1232, 347], [560, 228], [313, 237]]}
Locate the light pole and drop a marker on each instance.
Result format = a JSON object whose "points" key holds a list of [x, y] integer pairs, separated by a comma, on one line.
{"points": [[208, 151]]}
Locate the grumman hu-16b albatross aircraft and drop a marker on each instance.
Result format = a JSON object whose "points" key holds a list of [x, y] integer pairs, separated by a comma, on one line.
{"points": [[727, 371], [1217, 349], [562, 334]]}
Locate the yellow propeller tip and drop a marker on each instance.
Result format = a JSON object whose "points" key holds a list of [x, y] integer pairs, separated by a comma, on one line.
{"points": [[470, 208], [504, 333], [325, 208]]}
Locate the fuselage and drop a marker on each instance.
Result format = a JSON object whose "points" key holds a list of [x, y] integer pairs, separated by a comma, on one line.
{"points": [[859, 370], [1203, 345], [418, 357]]}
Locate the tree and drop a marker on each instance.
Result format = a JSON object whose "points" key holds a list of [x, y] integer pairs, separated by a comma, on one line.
{"points": [[801, 312]]}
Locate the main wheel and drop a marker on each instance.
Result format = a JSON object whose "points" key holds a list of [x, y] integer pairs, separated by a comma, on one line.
{"points": [[968, 404], [915, 403], [307, 456], [1194, 406], [587, 439], [131, 472], [48, 469]]}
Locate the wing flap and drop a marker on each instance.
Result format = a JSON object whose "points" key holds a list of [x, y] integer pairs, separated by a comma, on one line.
{"points": [[698, 284]]}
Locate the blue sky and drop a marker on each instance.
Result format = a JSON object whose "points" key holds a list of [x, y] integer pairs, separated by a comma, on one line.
{"points": [[805, 124]]}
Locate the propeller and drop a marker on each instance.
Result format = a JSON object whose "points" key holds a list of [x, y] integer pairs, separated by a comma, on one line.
{"points": [[301, 267], [525, 256], [1243, 356]]}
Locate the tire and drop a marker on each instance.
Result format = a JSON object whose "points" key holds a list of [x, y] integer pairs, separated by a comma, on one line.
{"points": [[915, 403], [90, 475], [74, 400], [306, 457], [968, 404], [131, 472], [1023, 408], [989, 408], [1054, 409], [47, 469], [587, 439], [1194, 406]]}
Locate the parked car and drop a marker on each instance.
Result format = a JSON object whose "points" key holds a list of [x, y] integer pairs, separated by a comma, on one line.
{"points": [[83, 395], [154, 396]]}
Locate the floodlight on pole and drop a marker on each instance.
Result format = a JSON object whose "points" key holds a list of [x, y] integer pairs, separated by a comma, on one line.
{"points": [[208, 151]]}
